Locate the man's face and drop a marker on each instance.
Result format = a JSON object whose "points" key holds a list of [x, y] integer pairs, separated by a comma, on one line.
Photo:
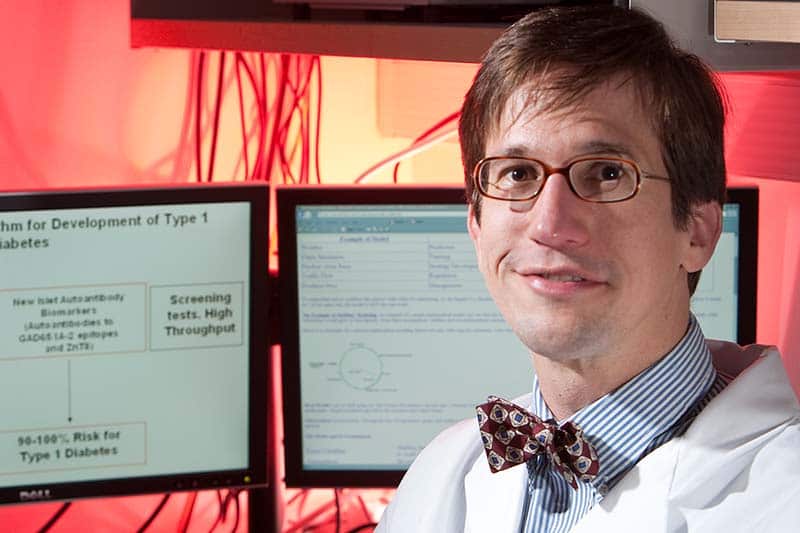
{"points": [[579, 280]]}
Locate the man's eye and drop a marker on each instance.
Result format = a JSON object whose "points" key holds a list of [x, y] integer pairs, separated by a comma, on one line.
{"points": [[517, 174], [600, 172], [607, 172]]}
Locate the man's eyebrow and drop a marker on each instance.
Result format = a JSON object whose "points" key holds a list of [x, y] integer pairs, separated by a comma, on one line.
{"points": [[605, 147], [517, 150], [587, 148]]}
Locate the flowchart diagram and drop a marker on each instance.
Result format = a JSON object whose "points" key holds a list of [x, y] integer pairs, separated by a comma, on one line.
{"points": [[124, 346]]}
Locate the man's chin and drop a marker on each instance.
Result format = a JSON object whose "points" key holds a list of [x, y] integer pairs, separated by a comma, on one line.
{"points": [[561, 343]]}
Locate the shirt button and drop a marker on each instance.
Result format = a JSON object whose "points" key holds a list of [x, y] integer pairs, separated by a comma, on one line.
{"points": [[603, 489]]}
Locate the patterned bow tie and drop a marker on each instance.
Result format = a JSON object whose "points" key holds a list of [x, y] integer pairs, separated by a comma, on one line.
{"points": [[512, 435]]}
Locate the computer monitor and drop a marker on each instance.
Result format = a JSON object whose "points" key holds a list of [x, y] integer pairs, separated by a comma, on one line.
{"points": [[389, 335], [134, 354]]}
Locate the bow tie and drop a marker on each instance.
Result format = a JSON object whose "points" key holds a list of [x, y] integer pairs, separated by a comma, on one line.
{"points": [[511, 435]]}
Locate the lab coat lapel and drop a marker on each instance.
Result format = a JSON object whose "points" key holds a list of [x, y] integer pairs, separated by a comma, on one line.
{"points": [[638, 502], [740, 418], [683, 472], [494, 501]]}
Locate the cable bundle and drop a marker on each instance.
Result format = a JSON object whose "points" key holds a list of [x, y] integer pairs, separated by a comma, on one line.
{"points": [[279, 101]]}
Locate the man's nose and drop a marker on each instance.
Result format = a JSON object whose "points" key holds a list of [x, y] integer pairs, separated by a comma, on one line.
{"points": [[557, 216]]}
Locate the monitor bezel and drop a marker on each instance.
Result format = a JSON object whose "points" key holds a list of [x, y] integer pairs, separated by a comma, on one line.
{"points": [[289, 197], [256, 473], [747, 199]]}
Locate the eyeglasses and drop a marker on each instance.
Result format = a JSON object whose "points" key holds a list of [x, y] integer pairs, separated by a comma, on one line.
{"points": [[593, 179]]}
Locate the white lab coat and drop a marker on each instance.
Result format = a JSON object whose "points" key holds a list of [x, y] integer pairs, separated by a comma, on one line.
{"points": [[737, 468]]}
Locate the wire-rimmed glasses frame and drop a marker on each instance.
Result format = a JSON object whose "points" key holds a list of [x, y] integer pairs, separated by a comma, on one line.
{"points": [[585, 177]]}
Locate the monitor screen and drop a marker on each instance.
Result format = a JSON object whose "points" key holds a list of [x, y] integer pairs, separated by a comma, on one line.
{"points": [[389, 334], [133, 358]]}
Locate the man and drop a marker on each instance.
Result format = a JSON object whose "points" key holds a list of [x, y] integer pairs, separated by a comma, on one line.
{"points": [[594, 167]]}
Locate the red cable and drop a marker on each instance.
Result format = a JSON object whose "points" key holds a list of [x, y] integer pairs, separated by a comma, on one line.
{"points": [[259, 96], [319, 116], [217, 109], [245, 137], [304, 153], [443, 122], [198, 119], [278, 109], [298, 92], [301, 97], [258, 165], [186, 516], [265, 121]]}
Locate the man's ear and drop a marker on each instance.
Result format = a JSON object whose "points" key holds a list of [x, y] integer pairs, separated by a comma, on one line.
{"points": [[704, 227], [473, 226], [474, 229]]}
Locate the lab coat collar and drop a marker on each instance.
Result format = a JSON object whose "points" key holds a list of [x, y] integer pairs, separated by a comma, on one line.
{"points": [[684, 472]]}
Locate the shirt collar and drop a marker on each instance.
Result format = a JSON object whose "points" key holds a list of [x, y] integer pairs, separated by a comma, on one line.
{"points": [[623, 424]]}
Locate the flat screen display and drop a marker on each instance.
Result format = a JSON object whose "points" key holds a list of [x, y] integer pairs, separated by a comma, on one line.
{"points": [[133, 354], [389, 334]]}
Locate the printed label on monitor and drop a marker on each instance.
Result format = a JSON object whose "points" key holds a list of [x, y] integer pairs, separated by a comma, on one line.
{"points": [[196, 316], [55, 321], [72, 448]]}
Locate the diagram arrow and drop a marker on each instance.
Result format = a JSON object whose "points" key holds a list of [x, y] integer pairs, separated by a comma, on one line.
{"points": [[69, 391]]}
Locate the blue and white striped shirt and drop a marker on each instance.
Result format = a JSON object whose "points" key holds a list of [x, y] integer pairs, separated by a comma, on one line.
{"points": [[623, 426]]}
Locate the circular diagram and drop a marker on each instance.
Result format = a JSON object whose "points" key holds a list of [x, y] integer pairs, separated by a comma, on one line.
{"points": [[360, 367]]}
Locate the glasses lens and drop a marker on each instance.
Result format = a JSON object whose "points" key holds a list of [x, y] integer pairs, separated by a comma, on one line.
{"points": [[603, 180], [510, 178]]}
